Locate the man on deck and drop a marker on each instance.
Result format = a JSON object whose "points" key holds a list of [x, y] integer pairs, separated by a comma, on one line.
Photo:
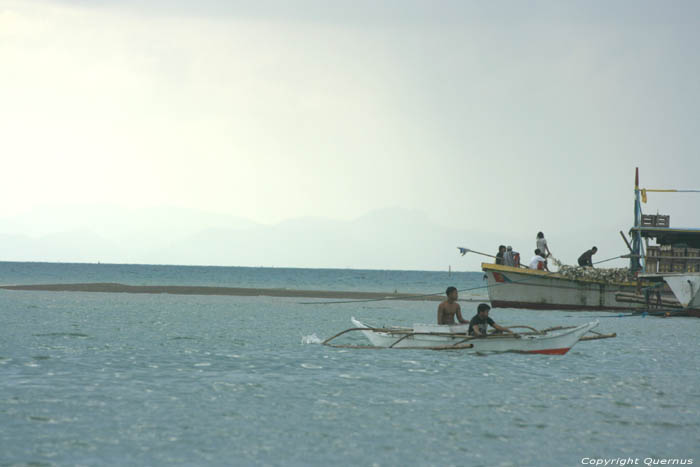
{"points": [[511, 258], [499, 255], [586, 258], [542, 245], [480, 322], [538, 262], [448, 309]]}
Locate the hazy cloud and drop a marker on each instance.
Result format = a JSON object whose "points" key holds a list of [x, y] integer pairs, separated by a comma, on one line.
{"points": [[505, 117]]}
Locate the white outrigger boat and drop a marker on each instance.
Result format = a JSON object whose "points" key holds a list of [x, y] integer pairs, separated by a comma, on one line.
{"points": [[558, 340]]}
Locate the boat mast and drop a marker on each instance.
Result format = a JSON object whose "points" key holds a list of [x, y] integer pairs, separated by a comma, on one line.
{"points": [[636, 234]]}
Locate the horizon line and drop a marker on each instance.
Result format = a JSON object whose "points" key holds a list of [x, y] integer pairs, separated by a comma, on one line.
{"points": [[99, 263]]}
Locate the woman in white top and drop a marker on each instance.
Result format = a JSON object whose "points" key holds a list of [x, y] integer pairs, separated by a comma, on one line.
{"points": [[542, 245]]}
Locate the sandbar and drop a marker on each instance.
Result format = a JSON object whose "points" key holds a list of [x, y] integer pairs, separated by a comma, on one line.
{"points": [[111, 287]]}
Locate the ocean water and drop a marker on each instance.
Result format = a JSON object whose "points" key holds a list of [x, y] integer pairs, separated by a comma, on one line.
{"points": [[289, 278], [120, 379]]}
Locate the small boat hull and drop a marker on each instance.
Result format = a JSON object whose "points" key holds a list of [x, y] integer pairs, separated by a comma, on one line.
{"points": [[428, 336]]}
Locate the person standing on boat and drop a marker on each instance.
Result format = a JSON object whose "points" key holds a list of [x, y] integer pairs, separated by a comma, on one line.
{"points": [[448, 309], [479, 324], [511, 258], [542, 245], [499, 255], [538, 262], [586, 258]]}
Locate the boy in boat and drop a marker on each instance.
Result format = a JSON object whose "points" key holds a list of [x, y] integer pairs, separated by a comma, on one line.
{"points": [[448, 309], [538, 262], [480, 322], [586, 258]]}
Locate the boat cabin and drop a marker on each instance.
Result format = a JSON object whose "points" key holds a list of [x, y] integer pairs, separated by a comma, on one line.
{"points": [[676, 249]]}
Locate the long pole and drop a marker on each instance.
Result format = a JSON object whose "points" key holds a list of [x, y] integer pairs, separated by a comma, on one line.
{"points": [[649, 190], [636, 235], [464, 251]]}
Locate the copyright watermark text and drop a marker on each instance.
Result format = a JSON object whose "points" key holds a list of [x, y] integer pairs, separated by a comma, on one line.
{"points": [[622, 461]]}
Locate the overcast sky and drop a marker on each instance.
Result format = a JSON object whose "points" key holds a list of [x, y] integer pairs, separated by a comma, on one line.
{"points": [[492, 116]]}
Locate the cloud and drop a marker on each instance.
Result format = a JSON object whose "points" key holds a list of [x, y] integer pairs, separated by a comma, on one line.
{"points": [[491, 117]]}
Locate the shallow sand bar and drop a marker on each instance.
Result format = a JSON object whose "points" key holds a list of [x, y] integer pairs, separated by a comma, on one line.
{"points": [[234, 291]]}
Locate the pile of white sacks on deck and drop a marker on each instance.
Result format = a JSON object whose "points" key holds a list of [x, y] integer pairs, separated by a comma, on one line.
{"points": [[604, 275]]}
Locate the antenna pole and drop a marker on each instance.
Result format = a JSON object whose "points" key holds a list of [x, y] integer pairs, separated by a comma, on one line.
{"points": [[636, 234]]}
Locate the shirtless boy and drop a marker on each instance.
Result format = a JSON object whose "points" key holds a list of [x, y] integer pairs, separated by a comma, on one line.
{"points": [[449, 308]]}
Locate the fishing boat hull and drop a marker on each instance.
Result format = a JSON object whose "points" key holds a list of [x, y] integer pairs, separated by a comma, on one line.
{"points": [[685, 288], [511, 287], [425, 336]]}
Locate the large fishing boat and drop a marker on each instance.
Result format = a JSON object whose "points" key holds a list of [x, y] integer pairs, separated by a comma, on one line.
{"points": [[511, 287], [663, 278]]}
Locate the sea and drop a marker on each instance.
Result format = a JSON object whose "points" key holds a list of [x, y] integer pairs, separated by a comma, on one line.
{"points": [[159, 380]]}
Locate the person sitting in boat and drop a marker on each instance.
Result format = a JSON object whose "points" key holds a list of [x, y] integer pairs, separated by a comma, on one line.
{"points": [[538, 262], [511, 258], [586, 258], [480, 323], [542, 245], [499, 255], [448, 309]]}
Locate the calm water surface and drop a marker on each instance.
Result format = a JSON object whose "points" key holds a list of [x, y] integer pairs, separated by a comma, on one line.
{"points": [[118, 379], [289, 278]]}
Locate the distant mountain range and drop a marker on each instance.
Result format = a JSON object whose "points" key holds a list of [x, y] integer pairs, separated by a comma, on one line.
{"points": [[394, 238], [383, 239]]}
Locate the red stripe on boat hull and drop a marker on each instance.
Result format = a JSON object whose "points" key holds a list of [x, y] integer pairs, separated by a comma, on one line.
{"points": [[551, 351]]}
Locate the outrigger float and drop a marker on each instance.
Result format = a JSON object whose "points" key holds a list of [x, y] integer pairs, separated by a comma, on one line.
{"points": [[673, 291], [555, 340]]}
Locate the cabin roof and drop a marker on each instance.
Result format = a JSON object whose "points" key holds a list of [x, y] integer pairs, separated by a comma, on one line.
{"points": [[671, 236]]}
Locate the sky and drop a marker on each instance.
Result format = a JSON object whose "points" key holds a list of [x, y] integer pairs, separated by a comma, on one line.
{"points": [[497, 118]]}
